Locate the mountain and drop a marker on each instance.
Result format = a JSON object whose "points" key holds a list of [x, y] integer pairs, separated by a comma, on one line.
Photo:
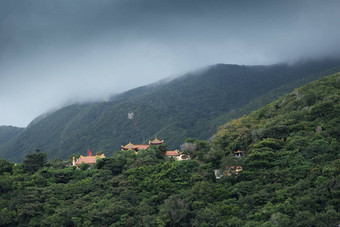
{"points": [[289, 175], [8, 132], [290, 161], [189, 106], [305, 122]]}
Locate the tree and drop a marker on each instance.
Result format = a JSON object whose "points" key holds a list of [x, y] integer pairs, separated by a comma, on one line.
{"points": [[5, 166], [84, 166], [34, 162], [189, 148], [174, 211]]}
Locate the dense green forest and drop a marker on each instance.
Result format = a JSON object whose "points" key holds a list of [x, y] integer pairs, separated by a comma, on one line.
{"points": [[194, 105], [290, 177]]}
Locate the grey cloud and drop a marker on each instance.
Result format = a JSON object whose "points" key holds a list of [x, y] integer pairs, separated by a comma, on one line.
{"points": [[54, 52]]}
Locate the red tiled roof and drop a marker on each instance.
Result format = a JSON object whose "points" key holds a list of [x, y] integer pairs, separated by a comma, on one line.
{"points": [[172, 153], [89, 160], [142, 146]]}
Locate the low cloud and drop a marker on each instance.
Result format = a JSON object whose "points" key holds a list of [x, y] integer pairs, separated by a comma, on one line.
{"points": [[54, 53]]}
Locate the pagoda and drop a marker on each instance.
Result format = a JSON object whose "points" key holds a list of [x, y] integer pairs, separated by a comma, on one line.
{"points": [[156, 142], [130, 146], [238, 154], [139, 147]]}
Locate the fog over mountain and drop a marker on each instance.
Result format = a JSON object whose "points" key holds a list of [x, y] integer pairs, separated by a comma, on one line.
{"points": [[57, 52]]}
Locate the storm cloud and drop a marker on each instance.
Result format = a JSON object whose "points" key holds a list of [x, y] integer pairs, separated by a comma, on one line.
{"points": [[57, 52]]}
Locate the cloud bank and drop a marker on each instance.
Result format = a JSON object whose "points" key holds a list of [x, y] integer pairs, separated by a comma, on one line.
{"points": [[57, 52]]}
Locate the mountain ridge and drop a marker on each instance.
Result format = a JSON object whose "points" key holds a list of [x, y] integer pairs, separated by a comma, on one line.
{"points": [[186, 106], [8, 132]]}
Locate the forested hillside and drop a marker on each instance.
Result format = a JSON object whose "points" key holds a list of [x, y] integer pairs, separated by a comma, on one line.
{"points": [[8, 132], [189, 106], [290, 175]]}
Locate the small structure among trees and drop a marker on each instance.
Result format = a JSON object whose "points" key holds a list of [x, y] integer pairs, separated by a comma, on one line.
{"points": [[176, 155], [139, 147], [238, 154], [89, 160], [230, 170]]}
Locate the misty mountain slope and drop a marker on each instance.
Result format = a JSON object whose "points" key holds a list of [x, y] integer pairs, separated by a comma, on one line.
{"points": [[267, 98], [189, 106], [8, 132]]}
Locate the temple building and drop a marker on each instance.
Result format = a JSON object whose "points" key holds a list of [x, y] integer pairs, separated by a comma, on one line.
{"points": [[91, 160], [139, 147], [172, 154], [156, 142], [176, 155], [130, 146]]}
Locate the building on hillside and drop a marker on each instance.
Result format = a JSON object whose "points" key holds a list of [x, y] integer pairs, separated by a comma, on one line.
{"points": [[142, 147], [91, 160], [156, 142], [238, 154], [176, 155], [172, 154], [129, 146], [139, 147], [230, 170]]}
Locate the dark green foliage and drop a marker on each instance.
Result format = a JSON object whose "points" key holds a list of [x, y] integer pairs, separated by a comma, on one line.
{"points": [[5, 166], [84, 166], [121, 161], [290, 147], [33, 162], [193, 105]]}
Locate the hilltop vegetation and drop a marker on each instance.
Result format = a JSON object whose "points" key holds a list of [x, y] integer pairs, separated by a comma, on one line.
{"points": [[290, 177], [193, 105]]}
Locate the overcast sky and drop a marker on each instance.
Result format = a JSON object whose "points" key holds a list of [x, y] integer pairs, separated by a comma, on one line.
{"points": [[56, 52]]}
